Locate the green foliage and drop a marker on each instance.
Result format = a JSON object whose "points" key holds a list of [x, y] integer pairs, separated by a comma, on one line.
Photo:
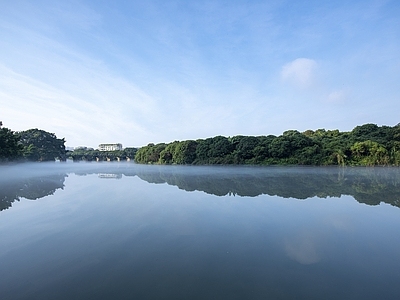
{"points": [[220, 147], [9, 146], [85, 154], [40, 145], [365, 145], [129, 152], [202, 155], [149, 154], [185, 152], [369, 153], [245, 148], [381, 135], [31, 153], [167, 154], [174, 153]]}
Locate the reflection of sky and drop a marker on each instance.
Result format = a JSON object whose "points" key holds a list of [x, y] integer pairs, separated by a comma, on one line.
{"points": [[303, 248], [116, 231]]}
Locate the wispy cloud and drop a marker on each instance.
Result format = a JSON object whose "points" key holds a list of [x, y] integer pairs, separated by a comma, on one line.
{"points": [[141, 72], [337, 96], [300, 72]]}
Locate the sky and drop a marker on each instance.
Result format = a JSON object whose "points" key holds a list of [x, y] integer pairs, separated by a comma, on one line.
{"points": [[139, 72]]}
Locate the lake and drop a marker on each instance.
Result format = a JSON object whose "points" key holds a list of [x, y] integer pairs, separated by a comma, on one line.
{"points": [[128, 231]]}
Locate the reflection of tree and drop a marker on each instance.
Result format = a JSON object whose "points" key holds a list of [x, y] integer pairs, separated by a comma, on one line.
{"points": [[29, 188], [367, 185], [8, 194]]}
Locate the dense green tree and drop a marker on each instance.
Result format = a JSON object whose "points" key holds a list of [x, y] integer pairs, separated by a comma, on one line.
{"points": [[367, 144], [369, 153], [395, 154], [9, 147], [149, 154], [129, 152], [185, 152], [40, 145], [280, 147], [167, 154], [202, 151], [382, 135], [219, 149], [31, 153], [245, 148]]}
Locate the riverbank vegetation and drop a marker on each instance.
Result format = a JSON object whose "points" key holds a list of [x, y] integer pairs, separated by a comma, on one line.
{"points": [[85, 154], [40, 145], [30, 145], [365, 145]]}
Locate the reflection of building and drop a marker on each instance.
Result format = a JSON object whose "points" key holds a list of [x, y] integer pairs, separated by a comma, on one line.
{"points": [[106, 175], [110, 147]]}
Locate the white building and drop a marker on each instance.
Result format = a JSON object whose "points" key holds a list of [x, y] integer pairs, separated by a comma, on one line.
{"points": [[110, 147]]}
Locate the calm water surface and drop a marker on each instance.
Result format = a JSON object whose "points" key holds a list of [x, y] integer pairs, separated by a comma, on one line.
{"points": [[126, 231]]}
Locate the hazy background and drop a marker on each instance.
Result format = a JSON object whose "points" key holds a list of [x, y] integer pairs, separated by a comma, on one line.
{"points": [[137, 72]]}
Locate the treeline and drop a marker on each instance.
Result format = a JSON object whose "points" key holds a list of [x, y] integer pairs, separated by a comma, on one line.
{"points": [[85, 154], [40, 145], [365, 145], [30, 145]]}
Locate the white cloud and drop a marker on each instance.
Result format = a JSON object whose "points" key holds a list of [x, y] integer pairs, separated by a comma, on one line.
{"points": [[68, 70], [111, 115], [336, 96], [299, 72]]}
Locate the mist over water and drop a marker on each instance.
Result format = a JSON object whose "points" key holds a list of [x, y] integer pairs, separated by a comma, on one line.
{"points": [[123, 231]]}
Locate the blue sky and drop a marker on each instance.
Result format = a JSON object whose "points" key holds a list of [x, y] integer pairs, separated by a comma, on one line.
{"points": [[137, 72]]}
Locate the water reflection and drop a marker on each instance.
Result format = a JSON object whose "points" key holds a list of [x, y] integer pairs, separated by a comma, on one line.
{"points": [[112, 235], [367, 185], [29, 188], [110, 176]]}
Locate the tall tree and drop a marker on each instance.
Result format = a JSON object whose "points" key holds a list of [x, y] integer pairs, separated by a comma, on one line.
{"points": [[40, 145], [9, 147]]}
